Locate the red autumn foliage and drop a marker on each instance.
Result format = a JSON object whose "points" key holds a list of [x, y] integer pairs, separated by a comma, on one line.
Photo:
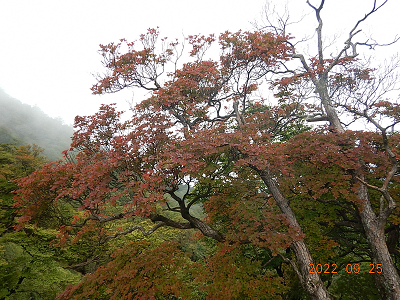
{"points": [[243, 161]]}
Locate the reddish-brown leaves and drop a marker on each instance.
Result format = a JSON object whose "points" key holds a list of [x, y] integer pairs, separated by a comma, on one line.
{"points": [[202, 128], [138, 271]]}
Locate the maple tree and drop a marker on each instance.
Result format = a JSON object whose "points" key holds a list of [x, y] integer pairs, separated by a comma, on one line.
{"points": [[203, 137]]}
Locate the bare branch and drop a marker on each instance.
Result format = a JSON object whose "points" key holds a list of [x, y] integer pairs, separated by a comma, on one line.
{"points": [[375, 44], [134, 228], [370, 185], [94, 259], [319, 29], [279, 22], [354, 31]]}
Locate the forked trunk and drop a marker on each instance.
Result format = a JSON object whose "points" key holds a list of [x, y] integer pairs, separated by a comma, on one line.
{"points": [[386, 276]]}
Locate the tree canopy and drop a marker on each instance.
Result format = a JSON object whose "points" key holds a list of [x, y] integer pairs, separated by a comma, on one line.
{"points": [[281, 198]]}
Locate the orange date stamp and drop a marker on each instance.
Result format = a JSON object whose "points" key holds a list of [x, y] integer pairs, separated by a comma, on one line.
{"points": [[350, 268]]}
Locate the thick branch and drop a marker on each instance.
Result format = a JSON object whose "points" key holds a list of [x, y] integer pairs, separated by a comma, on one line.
{"points": [[169, 222], [206, 229]]}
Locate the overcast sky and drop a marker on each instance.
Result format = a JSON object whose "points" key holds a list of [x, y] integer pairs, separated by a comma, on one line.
{"points": [[49, 48]]}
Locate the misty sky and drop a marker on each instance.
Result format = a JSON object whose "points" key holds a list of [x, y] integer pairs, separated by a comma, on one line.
{"points": [[48, 48]]}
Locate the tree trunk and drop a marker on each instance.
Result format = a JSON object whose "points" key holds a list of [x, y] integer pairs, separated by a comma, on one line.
{"points": [[386, 277], [311, 282], [388, 281]]}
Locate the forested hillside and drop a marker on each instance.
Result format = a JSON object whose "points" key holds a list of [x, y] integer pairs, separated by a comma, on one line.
{"points": [[23, 124], [29, 267]]}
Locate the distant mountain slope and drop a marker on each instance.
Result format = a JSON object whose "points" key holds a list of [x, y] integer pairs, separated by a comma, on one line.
{"points": [[23, 124]]}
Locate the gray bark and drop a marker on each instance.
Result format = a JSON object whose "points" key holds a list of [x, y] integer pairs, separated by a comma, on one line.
{"points": [[311, 282]]}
